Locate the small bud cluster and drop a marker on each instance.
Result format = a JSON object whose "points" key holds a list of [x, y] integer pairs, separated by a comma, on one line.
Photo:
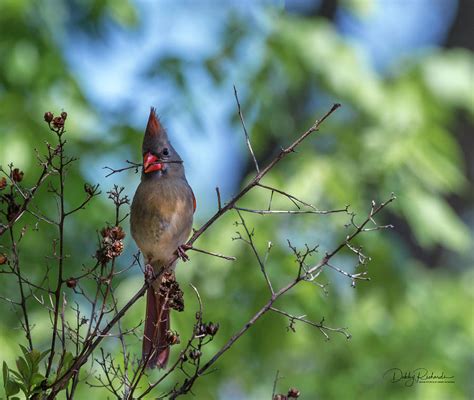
{"points": [[195, 354], [172, 338], [71, 283], [170, 289], [89, 189], [205, 329], [111, 245], [56, 122], [293, 393], [17, 175], [12, 207]]}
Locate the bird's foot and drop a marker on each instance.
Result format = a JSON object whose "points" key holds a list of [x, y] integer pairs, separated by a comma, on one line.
{"points": [[181, 252], [149, 273]]}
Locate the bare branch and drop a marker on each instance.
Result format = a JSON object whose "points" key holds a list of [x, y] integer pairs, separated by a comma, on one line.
{"points": [[247, 138]]}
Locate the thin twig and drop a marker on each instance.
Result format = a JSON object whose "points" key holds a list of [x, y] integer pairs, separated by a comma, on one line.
{"points": [[247, 138], [229, 258]]}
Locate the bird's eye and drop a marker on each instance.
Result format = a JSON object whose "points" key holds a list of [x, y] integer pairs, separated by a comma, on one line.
{"points": [[166, 151]]}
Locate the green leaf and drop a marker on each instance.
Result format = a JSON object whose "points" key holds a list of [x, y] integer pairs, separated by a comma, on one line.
{"points": [[23, 369], [33, 358], [5, 373], [37, 378], [67, 361], [12, 387], [24, 350]]}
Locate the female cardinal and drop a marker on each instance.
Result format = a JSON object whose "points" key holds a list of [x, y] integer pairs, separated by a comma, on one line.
{"points": [[161, 220]]}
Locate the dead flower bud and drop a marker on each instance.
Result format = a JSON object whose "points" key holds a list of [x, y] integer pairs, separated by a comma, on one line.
{"points": [[17, 175], [172, 338], [12, 210], [117, 248], [3, 259], [194, 354], [48, 116], [3, 183], [293, 393], [111, 245], [170, 289], [212, 328], [58, 122], [71, 283], [280, 397], [113, 233], [89, 189], [200, 330], [64, 115]]}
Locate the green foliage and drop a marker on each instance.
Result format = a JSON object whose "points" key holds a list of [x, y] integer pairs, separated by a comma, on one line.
{"points": [[27, 377]]}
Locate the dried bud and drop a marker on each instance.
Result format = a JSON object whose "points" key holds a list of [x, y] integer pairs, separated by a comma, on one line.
{"points": [[293, 393], [172, 338], [71, 283], [3, 183], [170, 288], [117, 248], [58, 122], [17, 175], [111, 245], [12, 210], [212, 328], [64, 115], [89, 189], [280, 397], [200, 330], [114, 233], [194, 354], [3, 259], [48, 116], [118, 233]]}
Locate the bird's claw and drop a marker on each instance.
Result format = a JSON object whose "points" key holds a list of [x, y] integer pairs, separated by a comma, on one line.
{"points": [[181, 252], [149, 273]]}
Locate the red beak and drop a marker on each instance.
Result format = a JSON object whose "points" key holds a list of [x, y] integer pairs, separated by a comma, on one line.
{"points": [[150, 163]]}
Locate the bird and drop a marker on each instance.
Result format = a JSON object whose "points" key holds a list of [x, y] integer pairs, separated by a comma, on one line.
{"points": [[161, 218]]}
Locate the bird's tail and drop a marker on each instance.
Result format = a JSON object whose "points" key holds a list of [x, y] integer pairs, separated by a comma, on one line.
{"points": [[156, 348]]}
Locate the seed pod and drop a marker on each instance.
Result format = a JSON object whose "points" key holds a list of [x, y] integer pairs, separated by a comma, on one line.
{"points": [[212, 328], [71, 283], [172, 338], [17, 175], [194, 354], [48, 116], [3, 259], [293, 393]]}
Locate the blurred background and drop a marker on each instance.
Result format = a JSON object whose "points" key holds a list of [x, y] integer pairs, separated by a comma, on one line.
{"points": [[404, 73]]}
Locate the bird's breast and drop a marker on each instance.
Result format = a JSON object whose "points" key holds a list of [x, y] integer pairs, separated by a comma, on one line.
{"points": [[161, 219]]}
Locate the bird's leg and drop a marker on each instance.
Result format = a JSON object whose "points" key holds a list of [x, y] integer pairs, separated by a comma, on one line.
{"points": [[149, 273], [181, 251]]}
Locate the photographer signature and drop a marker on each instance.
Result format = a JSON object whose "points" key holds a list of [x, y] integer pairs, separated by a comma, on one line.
{"points": [[417, 375]]}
